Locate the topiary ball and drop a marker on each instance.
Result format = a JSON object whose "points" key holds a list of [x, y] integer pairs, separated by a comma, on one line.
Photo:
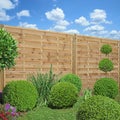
{"points": [[106, 87], [99, 108], [72, 78], [106, 49], [21, 94], [63, 95], [106, 65]]}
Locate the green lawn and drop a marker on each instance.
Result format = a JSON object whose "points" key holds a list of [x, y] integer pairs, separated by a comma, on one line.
{"points": [[45, 113]]}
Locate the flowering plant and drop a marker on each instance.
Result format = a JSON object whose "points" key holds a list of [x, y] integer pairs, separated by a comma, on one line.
{"points": [[8, 112]]}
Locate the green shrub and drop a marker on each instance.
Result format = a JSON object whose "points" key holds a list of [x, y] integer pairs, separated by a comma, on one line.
{"points": [[72, 78], [8, 49], [43, 83], [63, 95], [106, 49], [106, 65], [99, 108], [21, 94], [106, 87]]}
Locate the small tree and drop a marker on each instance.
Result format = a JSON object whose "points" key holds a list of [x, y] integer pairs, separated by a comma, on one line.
{"points": [[106, 64], [8, 49]]}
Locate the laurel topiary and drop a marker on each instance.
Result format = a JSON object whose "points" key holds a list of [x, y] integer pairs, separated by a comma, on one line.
{"points": [[8, 49], [63, 95], [106, 49], [21, 94], [106, 87], [72, 78], [99, 108], [106, 65]]}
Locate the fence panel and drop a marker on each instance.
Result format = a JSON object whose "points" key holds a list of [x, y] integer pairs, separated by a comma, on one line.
{"points": [[67, 53]]}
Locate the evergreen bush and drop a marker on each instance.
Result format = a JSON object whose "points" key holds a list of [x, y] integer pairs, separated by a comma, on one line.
{"points": [[106, 87], [72, 78], [21, 94], [99, 108], [63, 95]]}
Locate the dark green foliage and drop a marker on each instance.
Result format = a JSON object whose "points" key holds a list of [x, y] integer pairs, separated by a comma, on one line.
{"points": [[106, 49], [72, 78], [8, 49], [106, 65], [43, 83], [63, 95], [21, 94], [106, 87], [99, 108]]}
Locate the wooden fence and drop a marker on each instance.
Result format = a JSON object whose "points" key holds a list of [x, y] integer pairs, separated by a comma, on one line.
{"points": [[67, 53]]}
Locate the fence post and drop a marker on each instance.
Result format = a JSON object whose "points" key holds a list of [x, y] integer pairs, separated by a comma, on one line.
{"points": [[119, 63], [74, 55], [2, 72]]}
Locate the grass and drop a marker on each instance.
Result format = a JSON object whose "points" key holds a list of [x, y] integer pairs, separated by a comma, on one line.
{"points": [[45, 113]]}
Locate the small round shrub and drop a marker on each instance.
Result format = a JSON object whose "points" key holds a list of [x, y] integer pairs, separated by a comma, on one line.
{"points": [[99, 108], [106, 49], [106, 87], [21, 94], [63, 95], [72, 78], [106, 65]]}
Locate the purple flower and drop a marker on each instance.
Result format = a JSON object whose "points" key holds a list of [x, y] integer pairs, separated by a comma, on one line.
{"points": [[7, 107], [13, 109]]}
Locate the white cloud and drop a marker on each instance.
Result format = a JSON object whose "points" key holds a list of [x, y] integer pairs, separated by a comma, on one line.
{"points": [[16, 2], [115, 34], [55, 14], [94, 28], [72, 31], [59, 28], [27, 25], [22, 13], [99, 16], [4, 16], [6, 4], [82, 21], [58, 17], [62, 23]]}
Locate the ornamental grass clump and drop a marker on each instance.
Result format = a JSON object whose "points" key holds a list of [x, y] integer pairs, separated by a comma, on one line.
{"points": [[99, 108], [43, 83]]}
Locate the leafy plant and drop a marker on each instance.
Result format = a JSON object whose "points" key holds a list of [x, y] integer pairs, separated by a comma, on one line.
{"points": [[106, 49], [87, 94], [21, 94], [106, 65], [8, 49], [63, 95], [106, 87], [72, 78], [43, 83], [8, 112], [99, 108]]}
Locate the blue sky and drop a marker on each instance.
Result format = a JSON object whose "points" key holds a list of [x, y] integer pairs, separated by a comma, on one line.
{"points": [[99, 18]]}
